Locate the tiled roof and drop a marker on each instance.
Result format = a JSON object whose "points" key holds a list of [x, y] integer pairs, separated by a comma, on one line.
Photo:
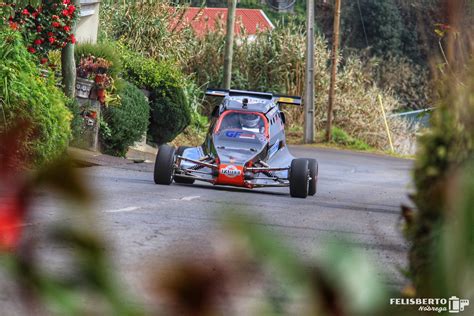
{"points": [[203, 20]]}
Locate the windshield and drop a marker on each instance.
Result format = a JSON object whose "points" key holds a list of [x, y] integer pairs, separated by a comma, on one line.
{"points": [[246, 121]]}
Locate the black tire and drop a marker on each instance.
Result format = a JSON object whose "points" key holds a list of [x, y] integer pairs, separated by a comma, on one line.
{"points": [[299, 175], [164, 165], [177, 178], [313, 173]]}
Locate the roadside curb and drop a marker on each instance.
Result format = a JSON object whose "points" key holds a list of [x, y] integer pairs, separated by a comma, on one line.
{"points": [[86, 158]]}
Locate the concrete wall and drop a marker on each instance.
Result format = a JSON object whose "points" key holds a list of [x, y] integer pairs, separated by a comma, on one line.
{"points": [[88, 24]]}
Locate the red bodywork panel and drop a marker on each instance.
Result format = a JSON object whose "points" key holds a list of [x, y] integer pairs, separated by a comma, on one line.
{"points": [[230, 174]]}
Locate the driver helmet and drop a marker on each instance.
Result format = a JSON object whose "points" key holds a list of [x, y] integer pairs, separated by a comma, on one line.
{"points": [[249, 120]]}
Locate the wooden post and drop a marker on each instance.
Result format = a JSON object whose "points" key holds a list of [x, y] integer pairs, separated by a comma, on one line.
{"points": [[309, 75], [334, 63], [229, 43]]}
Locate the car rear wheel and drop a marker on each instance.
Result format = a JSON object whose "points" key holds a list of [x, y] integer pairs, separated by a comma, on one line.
{"points": [[164, 165], [313, 174], [177, 178], [299, 176]]}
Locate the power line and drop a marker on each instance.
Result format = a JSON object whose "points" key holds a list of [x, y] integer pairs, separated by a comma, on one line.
{"points": [[291, 4]]}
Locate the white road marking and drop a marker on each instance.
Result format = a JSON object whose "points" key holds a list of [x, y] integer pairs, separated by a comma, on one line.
{"points": [[190, 198], [126, 209]]}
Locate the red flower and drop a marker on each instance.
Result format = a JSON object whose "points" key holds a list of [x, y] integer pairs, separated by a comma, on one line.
{"points": [[55, 17], [51, 40], [67, 28], [35, 14], [65, 12], [38, 41], [25, 12], [31, 50], [66, 1], [43, 60], [13, 26], [71, 9], [11, 218], [56, 24], [50, 34], [39, 29]]}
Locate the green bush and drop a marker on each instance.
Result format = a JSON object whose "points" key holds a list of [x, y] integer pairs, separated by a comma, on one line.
{"points": [[124, 124], [170, 115], [170, 108], [26, 96], [339, 136], [105, 51]]}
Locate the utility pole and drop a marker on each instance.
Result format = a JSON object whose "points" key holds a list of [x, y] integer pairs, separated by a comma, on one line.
{"points": [[309, 75], [229, 43], [334, 62]]}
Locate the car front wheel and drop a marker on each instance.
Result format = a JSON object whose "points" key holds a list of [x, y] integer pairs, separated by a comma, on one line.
{"points": [[299, 176], [164, 165]]}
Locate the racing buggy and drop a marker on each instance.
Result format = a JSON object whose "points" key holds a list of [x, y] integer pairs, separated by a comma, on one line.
{"points": [[244, 147]]}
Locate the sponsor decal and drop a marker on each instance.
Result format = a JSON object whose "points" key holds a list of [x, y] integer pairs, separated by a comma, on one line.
{"points": [[232, 134], [247, 136], [243, 135], [452, 305], [231, 171]]}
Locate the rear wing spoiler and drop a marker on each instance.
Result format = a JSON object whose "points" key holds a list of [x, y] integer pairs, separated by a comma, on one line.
{"points": [[281, 99], [287, 99], [238, 93]]}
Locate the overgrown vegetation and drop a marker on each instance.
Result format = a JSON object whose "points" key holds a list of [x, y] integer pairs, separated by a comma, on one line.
{"points": [[25, 96]]}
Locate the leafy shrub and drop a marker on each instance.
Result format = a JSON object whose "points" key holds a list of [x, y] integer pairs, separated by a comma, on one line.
{"points": [[104, 51], [170, 108], [339, 136], [124, 124], [169, 116], [26, 96]]}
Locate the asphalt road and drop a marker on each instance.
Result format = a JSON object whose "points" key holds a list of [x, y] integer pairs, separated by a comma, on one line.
{"points": [[358, 199]]}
